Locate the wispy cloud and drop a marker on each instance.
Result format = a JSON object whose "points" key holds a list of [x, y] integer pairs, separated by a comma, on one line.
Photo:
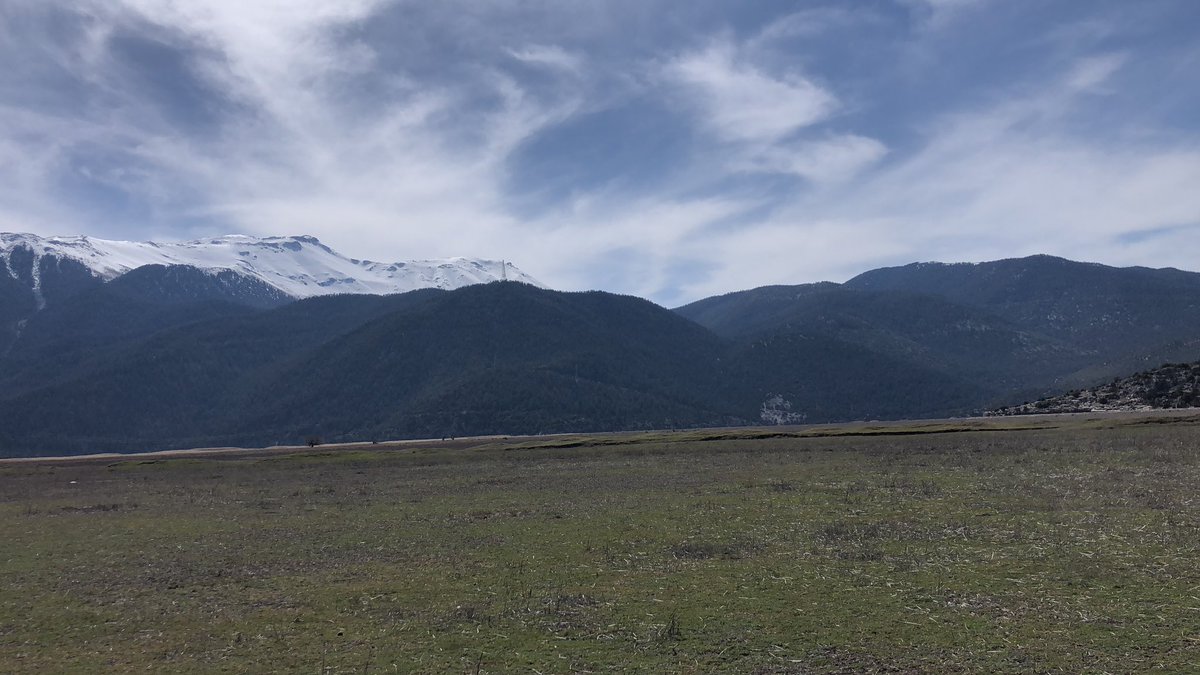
{"points": [[1092, 72], [810, 23], [935, 14], [738, 101], [548, 56], [831, 159], [764, 116]]}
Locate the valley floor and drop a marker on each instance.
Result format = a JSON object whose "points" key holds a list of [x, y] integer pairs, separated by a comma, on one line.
{"points": [[1058, 543]]}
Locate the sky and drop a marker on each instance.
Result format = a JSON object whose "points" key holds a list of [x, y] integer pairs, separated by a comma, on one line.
{"points": [[667, 149]]}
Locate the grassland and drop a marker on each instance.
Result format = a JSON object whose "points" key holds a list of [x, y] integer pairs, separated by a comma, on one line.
{"points": [[1008, 546]]}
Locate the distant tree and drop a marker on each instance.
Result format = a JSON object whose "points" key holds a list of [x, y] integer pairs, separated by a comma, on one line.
{"points": [[313, 441]]}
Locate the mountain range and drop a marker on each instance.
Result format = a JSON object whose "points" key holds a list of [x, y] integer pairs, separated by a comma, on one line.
{"points": [[239, 341], [249, 270]]}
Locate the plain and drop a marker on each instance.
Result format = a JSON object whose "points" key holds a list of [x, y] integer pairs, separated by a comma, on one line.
{"points": [[1014, 545]]}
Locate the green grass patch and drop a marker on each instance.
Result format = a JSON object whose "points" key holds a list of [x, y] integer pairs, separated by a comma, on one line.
{"points": [[890, 549]]}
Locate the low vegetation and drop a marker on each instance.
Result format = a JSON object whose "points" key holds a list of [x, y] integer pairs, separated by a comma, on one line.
{"points": [[1015, 545]]}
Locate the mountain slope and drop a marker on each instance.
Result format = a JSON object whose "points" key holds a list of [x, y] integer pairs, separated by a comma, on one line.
{"points": [[1022, 328], [499, 358], [793, 377], [963, 343], [65, 337], [505, 358], [29, 282], [1112, 312], [744, 313], [179, 387]]}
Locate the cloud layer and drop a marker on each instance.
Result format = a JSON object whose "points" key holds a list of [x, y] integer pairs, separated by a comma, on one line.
{"points": [[619, 145]]}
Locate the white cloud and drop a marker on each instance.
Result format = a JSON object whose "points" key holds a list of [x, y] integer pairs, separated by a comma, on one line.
{"points": [[740, 102], [810, 22], [832, 159], [548, 56], [763, 117], [1091, 72], [937, 14]]}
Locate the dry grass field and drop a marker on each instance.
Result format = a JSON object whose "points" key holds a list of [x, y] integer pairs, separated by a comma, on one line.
{"points": [[1017, 545]]}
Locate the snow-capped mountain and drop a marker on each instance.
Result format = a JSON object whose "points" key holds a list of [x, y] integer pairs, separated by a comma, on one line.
{"points": [[299, 266]]}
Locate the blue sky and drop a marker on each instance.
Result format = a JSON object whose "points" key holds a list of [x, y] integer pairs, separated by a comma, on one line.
{"points": [[671, 150]]}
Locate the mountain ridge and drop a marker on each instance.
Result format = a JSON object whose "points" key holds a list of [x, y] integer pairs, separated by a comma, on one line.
{"points": [[299, 266]]}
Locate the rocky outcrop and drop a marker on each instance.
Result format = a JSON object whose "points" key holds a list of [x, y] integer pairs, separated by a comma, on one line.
{"points": [[1172, 385]]}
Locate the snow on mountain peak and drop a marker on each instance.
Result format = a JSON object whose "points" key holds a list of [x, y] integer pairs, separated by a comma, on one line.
{"points": [[300, 266]]}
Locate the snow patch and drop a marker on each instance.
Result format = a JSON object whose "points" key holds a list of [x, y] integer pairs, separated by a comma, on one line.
{"points": [[299, 266], [35, 273]]}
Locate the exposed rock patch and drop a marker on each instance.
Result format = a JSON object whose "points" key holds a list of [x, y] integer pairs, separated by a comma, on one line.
{"points": [[1172, 385]]}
